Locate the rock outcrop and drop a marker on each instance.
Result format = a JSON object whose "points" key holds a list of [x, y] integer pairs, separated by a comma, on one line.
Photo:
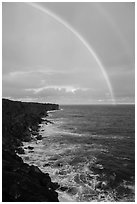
{"points": [[20, 181]]}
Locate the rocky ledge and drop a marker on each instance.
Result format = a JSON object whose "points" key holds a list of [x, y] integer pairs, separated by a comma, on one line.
{"points": [[20, 181]]}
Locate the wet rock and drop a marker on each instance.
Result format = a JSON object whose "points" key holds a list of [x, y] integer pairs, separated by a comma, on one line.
{"points": [[31, 151], [46, 164], [62, 172], [63, 188], [58, 164], [39, 137], [26, 158], [55, 157], [21, 182], [29, 147]]}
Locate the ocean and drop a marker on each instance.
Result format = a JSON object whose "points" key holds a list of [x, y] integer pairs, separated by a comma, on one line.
{"points": [[90, 151]]}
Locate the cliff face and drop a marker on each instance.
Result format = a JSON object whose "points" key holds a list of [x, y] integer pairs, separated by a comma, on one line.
{"points": [[21, 182]]}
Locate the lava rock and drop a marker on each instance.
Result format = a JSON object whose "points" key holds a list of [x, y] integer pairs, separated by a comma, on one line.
{"points": [[63, 188], [21, 182], [39, 137], [29, 147], [58, 164], [46, 164], [31, 151]]}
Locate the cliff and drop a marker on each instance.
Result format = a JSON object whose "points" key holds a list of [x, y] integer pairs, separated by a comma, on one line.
{"points": [[22, 182]]}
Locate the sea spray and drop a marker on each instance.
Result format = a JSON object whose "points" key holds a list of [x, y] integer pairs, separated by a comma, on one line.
{"points": [[80, 152]]}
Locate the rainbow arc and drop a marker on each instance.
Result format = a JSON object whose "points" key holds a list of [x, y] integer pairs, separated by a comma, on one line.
{"points": [[85, 43]]}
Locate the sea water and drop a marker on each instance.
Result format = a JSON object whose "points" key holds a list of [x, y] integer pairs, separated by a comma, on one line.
{"points": [[90, 151]]}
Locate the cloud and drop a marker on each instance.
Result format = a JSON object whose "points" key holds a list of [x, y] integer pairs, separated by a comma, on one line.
{"points": [[42, 60], [56, 88]]}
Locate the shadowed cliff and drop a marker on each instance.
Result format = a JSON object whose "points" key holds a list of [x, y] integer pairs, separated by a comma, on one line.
{"points": [[21, 182]]}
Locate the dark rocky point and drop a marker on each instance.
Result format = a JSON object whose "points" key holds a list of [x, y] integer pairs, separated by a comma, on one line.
{"points": [[20, 181], [20, 150]]}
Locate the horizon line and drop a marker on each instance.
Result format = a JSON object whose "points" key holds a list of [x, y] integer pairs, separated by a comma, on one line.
{"points": [[67, 104], [98, 104]]}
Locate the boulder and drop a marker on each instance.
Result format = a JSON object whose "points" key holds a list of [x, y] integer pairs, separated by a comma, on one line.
{"points": [[30, 151], [63, 188], [29, 147], [46, 164], [39, 137], [58, 164]]}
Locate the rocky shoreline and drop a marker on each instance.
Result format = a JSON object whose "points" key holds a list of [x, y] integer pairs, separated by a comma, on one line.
{"points": [[22, 182]]}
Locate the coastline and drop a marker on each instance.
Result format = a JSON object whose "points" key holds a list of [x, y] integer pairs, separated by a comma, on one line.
{"points": [[44, 151], [34, 148], [50, 156], [22, 182]]}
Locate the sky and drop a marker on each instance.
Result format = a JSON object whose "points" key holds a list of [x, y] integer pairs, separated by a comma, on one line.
{"points": [[69, 53]]}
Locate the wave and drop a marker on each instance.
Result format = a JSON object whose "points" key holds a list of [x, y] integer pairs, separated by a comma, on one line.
{"points": [[52, 111], [89, 166]]}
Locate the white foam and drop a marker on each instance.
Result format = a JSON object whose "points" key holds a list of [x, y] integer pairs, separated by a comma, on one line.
{"points": [[65, 197]]}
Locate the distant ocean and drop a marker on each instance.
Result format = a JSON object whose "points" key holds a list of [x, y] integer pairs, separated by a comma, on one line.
{"points": [[89, 151]]}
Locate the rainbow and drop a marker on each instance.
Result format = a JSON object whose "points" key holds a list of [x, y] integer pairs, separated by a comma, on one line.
{"points": [[85, 43]]}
